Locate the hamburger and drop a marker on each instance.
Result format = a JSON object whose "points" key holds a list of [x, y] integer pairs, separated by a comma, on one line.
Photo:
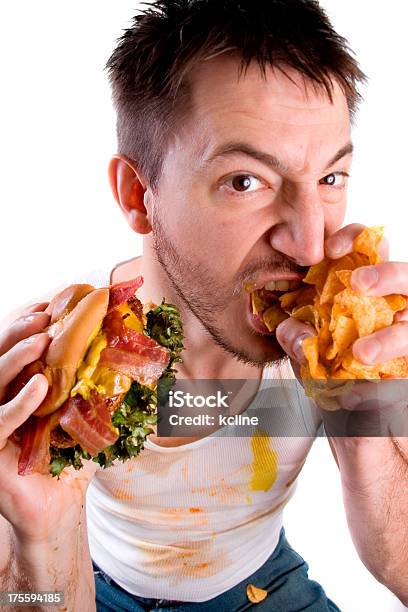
{"points": [[105, 358]]}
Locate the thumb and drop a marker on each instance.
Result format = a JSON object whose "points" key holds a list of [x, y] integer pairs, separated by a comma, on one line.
{"points": [[290, 335]]}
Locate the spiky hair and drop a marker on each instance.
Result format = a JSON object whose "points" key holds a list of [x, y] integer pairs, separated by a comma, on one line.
{"points": [[149, 69]]}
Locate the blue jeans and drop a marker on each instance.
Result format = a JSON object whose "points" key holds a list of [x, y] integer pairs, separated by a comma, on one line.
{"points": [[283, 575]]}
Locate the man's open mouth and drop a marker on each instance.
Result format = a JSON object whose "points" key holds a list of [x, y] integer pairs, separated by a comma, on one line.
{"points": [[266, 304]]}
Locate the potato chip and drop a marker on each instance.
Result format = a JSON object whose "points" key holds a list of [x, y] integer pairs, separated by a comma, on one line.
{"points": [[336, 312], [324, 340], [344, 334], [310, 348], [344, 277], [304, 313], [368, 243], [325, 392], [333, 283], [395, 368], [317, 275], [260, 302], [396, 302], [273, 316], [300, 297], [255, 594], [340, 316]]}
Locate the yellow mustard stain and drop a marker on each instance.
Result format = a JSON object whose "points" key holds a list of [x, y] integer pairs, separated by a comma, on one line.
{"points": [[265, 462]]}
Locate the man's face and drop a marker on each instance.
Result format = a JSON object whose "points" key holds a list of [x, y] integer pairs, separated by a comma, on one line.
{"points": [[249, 190]]}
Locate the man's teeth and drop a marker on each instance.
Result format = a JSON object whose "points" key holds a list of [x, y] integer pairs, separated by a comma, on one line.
{"points": [[282, 285]]}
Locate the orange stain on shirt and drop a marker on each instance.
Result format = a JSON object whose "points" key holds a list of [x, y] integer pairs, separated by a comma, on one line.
{"points": [[264, 463], [121, 494], [175, 513], [228, 494], [153, 462], [184, 514], [178, 560]]}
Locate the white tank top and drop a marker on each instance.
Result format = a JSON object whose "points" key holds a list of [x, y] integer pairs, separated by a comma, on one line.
{"points": [[190, 522]]}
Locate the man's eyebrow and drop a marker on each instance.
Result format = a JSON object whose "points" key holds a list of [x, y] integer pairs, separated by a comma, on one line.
{"points": [[247, 149], [346, 150], [267, 158]]}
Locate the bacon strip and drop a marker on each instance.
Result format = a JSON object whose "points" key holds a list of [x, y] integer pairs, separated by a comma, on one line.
{"points": [[34, 440], [89, 423], [142, 368], [118, 335], [132, 353], [122, 292]]}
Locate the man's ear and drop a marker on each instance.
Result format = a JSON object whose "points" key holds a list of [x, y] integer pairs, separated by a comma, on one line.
{"points": [[128, 188]]}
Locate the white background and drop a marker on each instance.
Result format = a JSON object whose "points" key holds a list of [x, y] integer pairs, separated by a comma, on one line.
{"points": [[58, 218]]}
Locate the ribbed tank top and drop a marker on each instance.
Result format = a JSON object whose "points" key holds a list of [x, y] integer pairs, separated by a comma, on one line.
{"points": [[190, 522]]}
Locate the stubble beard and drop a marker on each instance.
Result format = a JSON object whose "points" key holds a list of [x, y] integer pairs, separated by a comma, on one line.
{"points": [[200, 293]]}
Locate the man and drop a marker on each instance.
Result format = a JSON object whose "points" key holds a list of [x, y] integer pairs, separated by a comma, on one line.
{"points": [[234, 152]]}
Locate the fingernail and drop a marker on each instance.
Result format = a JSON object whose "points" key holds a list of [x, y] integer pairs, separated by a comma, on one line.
{"points": [[283, 333], [365, 277], [297, 347], [370, 350], [33, 384], [336, 245]]}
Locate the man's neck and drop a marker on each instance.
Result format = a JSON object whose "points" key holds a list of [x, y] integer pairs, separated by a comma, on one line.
{"points": [[202, 358]]}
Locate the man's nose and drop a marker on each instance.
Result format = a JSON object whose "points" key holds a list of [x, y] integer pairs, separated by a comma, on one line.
{"points": [[300, 235]]}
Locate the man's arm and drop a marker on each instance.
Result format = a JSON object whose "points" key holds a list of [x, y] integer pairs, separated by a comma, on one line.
{"points": [[60, 563], [376, 504]]}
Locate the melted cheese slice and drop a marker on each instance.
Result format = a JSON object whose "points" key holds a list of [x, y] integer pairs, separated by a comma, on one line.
{"points": [[130, 319], [92, 376]]}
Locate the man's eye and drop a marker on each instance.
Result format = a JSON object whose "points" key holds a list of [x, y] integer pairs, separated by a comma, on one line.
{"points": [[335, 179], [243, 183]]}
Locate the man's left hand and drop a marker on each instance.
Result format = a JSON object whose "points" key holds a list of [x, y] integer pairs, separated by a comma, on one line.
{"points": [[382, 279], [374, 470]]}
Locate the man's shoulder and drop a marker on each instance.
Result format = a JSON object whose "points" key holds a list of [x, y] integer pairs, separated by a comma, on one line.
{"points": [[126, 270]]}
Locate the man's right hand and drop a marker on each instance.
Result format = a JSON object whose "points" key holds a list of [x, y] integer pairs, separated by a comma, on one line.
{"points": [[37, 506]]}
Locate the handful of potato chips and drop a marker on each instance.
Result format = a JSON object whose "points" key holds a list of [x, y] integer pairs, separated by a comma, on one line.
{"points": [[340, 316]]}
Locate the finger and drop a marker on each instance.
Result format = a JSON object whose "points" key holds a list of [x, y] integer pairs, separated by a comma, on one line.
{"points": [[22, 328], [401, 316], [290, 335], [341, 242], [23, 353], [37, 307], [382, 345], [383, 279], [15, 413]]}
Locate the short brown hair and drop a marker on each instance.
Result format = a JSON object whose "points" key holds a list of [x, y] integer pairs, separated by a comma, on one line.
{"points": [[150, 66]]}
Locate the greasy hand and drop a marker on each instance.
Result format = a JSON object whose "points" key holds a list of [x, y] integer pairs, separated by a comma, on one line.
{"points": [[372, 450], [377, 280], [36, 505]]}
